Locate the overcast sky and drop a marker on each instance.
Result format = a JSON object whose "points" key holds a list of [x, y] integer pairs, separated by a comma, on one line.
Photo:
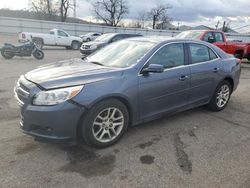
{"points": [[188, 12]]}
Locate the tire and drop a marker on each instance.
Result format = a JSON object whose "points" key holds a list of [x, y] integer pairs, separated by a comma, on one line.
{"points": [[7, 55], [105, 128], [88, 40], [38, 43], [38, 54], [248, 56], [221, 96], [75, 45]]}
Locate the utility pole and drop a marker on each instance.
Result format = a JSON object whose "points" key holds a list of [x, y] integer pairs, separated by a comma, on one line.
{"points": [[224, 26], [217, 25], [74, 8]]}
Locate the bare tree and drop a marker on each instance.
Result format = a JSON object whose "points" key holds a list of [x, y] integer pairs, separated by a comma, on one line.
{"points": [[142, 18], [159, 15], [65, 5], [110, 11], [44, 7]]}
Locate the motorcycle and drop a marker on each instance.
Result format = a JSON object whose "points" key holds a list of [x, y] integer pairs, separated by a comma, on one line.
{"points": [[8, 51]]}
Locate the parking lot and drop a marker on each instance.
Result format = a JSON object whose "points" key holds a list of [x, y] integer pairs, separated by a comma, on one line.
{"points": [[196, 148]]}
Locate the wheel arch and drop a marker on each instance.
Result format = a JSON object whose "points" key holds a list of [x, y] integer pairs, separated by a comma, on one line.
{"points": [[230, 80], [75, 41], [240, 52], [37, 38], [120, 98]]}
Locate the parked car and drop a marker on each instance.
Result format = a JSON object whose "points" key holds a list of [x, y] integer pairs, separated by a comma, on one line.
{"points": [[100, 42], [238, 49], [56, 37], [90, 37], [124, 84]]}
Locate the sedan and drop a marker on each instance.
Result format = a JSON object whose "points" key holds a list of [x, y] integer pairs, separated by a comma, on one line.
{"points": [[102, 41], [124, 84], [90, 37]]}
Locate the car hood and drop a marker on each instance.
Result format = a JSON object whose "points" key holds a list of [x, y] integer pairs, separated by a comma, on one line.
{"points": [[70, 73], [76, 38], [95, 43]]}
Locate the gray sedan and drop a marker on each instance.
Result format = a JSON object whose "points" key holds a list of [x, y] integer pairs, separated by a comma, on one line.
{"points": [[126, 83]]}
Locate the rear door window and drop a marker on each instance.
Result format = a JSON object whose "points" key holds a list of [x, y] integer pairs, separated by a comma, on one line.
{"points": [[199, 53], [212, 55]]}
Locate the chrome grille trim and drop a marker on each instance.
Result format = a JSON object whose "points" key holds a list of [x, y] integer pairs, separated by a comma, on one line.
{"points": [[21, 93]]}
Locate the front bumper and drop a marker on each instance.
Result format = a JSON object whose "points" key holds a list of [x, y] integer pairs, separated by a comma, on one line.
{"points": [[86, 52], [54, 124], [57, 124]]}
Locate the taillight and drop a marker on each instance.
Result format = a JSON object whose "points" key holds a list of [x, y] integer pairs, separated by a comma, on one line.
{"points": [[23, 36]]}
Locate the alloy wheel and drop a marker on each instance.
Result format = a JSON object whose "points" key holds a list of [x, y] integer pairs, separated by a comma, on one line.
{"points": [[223, 96], [108, 125]]}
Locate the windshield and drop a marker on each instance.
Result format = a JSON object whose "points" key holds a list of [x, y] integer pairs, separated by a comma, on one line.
{"points": [[189, 35], [121, 54], [88, 34], [105, 37]]}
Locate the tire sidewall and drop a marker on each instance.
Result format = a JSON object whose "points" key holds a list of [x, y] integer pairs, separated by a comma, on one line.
{"points": [[6, 56], [87, 123], [38, 57]]}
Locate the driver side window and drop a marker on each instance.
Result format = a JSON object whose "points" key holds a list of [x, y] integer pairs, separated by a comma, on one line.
{"points": [[171, 55], [207, 36], [61, 33]]}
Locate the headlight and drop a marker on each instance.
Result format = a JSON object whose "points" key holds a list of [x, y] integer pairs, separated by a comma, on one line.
{"points": [[93, 47], [53, 97]]}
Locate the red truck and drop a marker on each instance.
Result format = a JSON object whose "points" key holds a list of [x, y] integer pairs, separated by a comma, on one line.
{"points": [[238, 49]]}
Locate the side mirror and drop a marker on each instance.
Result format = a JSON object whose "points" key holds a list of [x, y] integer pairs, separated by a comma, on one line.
{"points": [[155, 68], [211, 39]]}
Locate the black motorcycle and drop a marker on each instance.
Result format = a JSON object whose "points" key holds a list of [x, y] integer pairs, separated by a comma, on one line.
{"points": [[8, 51]]}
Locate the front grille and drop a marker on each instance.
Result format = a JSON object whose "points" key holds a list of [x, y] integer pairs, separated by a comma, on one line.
{"points": [[86, 47], [21, 93]]}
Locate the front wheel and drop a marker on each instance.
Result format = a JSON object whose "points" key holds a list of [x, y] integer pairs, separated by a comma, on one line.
{"points": [[75, 45], [221, 96], [38, 54], [6, 54], [105, 123]]}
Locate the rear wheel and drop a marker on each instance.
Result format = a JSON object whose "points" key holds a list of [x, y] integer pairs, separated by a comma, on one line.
{"points": [[238, 54], [221, 96], [75, 45], [38, 43], [105, 123], [6, 54], [248, 56]]}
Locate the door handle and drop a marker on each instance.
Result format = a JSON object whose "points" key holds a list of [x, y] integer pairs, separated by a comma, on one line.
{"points": [[59, 37], [183, 78], [216, 70]]}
